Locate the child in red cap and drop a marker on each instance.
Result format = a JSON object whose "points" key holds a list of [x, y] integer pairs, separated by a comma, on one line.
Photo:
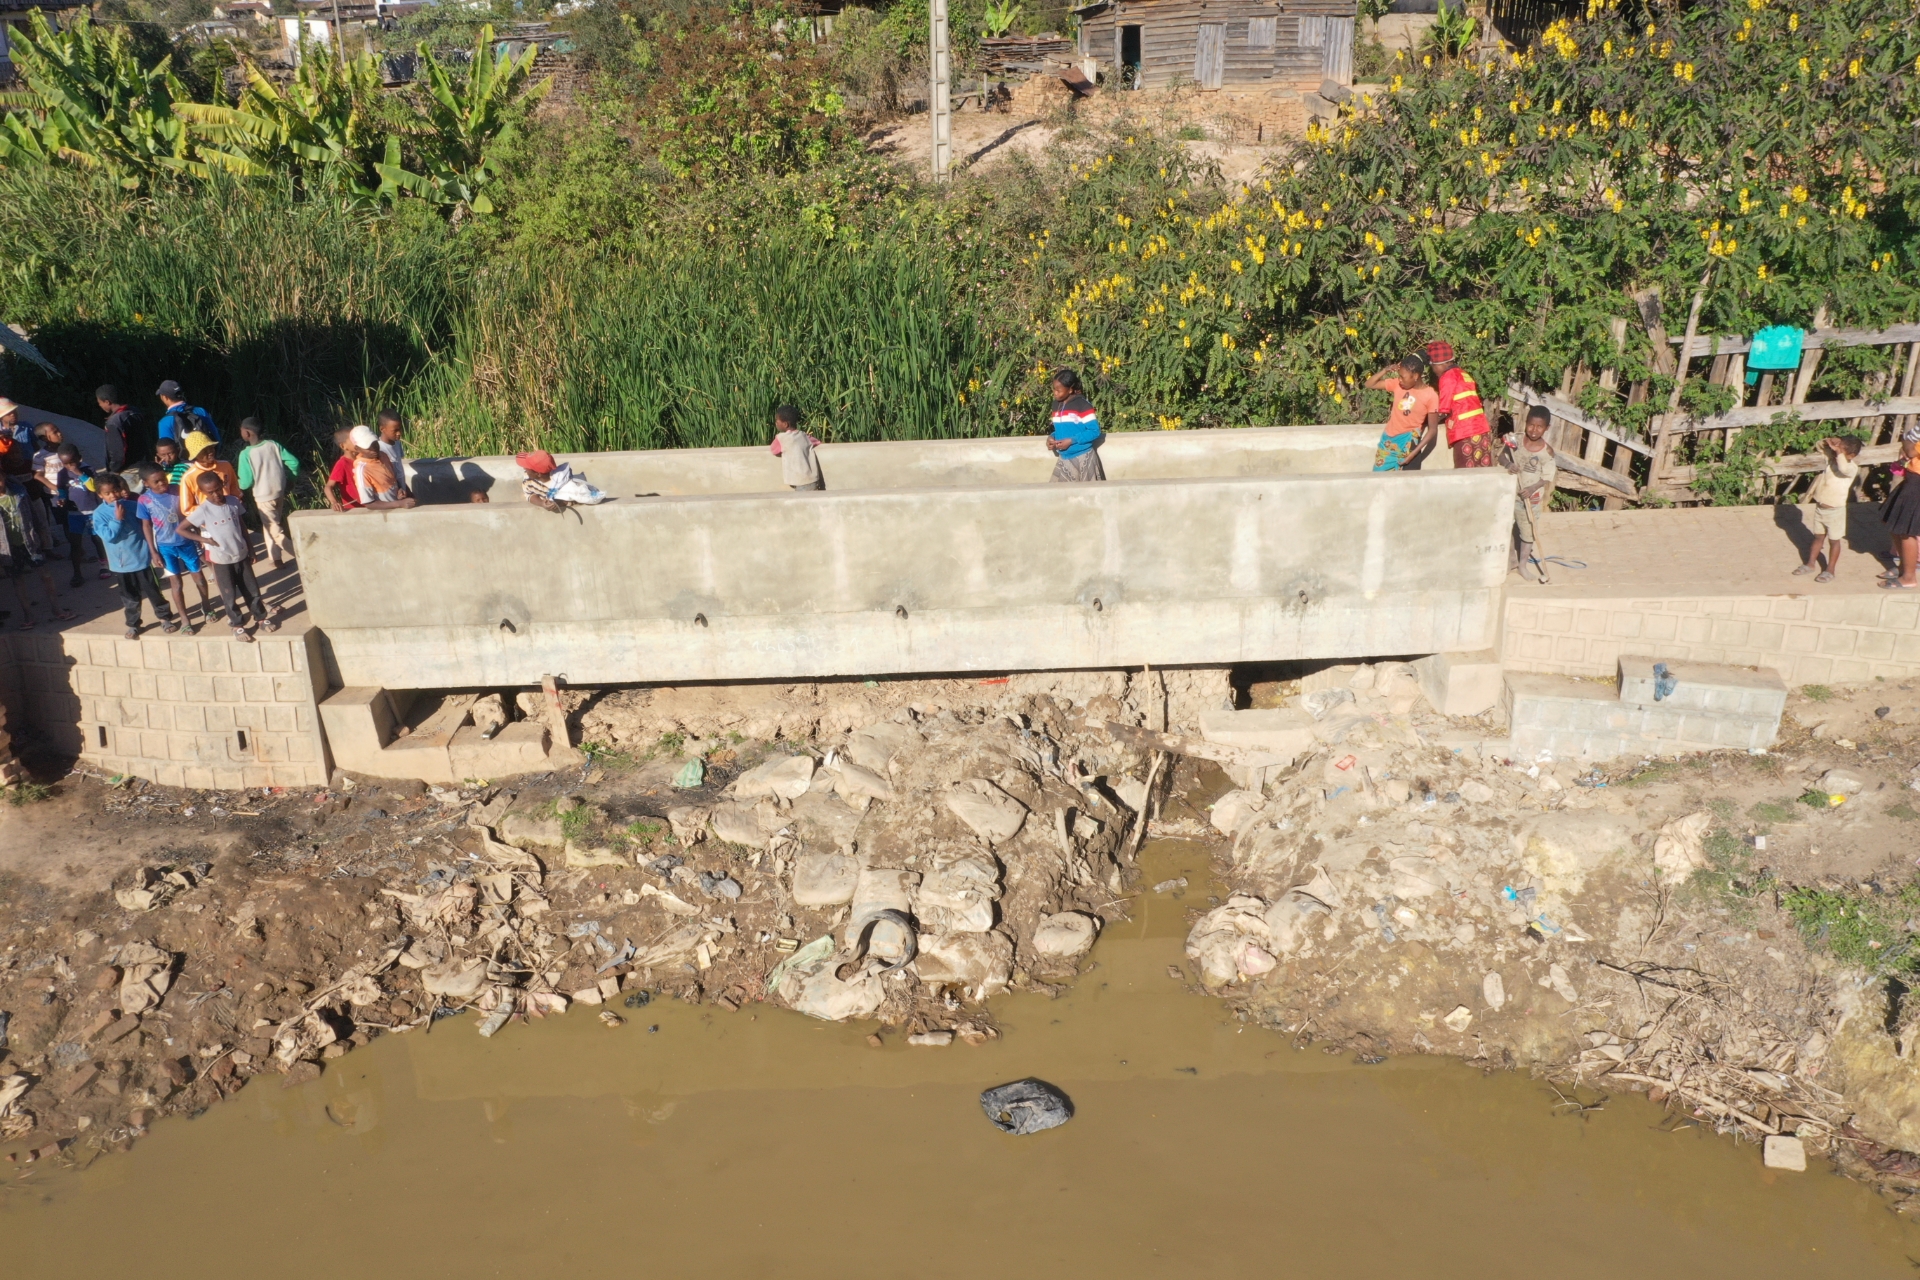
{"points": [[1469, 433]]}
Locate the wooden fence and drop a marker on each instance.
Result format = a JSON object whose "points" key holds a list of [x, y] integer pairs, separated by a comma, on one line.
{"points": [[1602, 460]]}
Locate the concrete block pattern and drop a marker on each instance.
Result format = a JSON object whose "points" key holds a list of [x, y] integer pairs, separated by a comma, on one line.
{"points": [[1705, 686], [196, 711], [1803, 640]]}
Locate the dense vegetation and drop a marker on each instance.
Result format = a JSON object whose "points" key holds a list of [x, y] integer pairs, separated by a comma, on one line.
{"points": [[703, 235]]}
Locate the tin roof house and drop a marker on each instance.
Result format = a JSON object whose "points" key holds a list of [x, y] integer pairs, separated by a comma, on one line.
{"points": [[1215, 44]]}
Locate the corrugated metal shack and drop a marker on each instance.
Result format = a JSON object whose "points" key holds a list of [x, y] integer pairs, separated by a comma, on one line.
{"points": [[1216, 43]]}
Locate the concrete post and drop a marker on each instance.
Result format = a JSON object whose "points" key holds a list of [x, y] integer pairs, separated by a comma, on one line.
{"points": [[939, 97]]}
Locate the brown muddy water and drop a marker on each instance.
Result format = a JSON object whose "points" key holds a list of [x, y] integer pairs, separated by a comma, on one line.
{"points": [[762, 1143]]}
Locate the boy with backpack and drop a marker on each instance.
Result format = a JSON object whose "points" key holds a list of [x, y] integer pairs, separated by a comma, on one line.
{"points": [[180, 419]]}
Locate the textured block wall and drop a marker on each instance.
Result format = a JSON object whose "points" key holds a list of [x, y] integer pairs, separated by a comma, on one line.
{"points": [[189, 711], [1808, 640]]}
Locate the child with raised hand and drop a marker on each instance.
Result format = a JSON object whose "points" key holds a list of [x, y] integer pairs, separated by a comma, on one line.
{"points": [[75, 482], [218, 524], [176, 557], [1826, 505], [117, 523]]}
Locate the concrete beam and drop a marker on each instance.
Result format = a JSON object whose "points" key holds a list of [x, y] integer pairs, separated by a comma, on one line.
{"points": [[1020, 578], [925, 464]]}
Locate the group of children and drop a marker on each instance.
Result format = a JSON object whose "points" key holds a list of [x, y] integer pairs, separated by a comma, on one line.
{"points": [[185, 516]]}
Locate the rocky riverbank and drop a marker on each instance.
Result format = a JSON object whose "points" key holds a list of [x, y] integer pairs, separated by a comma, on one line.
{"points": [[1719, 931]]}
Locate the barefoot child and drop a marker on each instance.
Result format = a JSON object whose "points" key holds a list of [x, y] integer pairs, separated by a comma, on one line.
{"points": [[176, 557], [1826, 504], [218, 524], [117, 523], [1531, 459]]}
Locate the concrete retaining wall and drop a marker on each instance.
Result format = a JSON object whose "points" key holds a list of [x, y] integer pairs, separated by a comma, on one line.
{"points": [[927, 464], [1808, 640], [186, 711], [1038, 577]]}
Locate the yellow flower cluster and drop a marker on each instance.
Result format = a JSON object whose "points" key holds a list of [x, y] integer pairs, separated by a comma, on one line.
{"points": [[1559, 38]]}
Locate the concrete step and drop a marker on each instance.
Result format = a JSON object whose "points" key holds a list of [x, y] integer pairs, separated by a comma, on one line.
{"points": [[1575, 719], [1706, 686]]}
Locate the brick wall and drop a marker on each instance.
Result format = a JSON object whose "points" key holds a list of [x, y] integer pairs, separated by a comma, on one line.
{"points": [[1808, 639], [199, 711]]}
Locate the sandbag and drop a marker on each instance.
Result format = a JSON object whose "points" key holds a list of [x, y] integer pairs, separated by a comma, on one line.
{"points": [[1066, 936], [1232, 942], [880, 889], [993, 815], [875, 746], [958, 894], [786, 778], [980, 963], [824, 879]]}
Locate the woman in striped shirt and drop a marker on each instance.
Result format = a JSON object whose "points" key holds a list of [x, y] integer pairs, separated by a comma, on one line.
{"points": [[1076, 432]]}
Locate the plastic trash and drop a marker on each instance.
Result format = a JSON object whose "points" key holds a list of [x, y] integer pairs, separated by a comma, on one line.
{"points": [[692, 774], [565, 486], [719, 886], [1026, 1106], [1664, 682], [1321, 702], [1524, 897], [663, 865]]}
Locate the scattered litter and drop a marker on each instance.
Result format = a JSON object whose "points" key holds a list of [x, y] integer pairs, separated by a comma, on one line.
{"points": [[612, 1019], [1026, 1106], [692, 774], [1168, 886]]}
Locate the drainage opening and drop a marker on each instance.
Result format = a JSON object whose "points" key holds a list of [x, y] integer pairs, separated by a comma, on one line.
{"points": [[102, 731], [241, 734]]}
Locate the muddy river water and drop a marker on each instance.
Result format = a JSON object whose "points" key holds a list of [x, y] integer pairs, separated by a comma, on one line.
{"points": [[762, 1143]]}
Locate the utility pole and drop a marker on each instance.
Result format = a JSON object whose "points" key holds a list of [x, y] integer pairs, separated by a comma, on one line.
{"points": [[940, 95]]}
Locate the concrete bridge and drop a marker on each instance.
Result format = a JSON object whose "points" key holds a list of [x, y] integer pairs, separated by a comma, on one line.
{"points": [[1205, 548]]}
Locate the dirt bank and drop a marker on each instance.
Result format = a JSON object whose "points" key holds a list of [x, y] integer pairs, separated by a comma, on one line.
{"points": [[903, 853]]}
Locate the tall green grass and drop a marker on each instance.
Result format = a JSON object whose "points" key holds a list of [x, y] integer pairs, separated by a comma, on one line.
{"points": [[696, 349], [312, 316], [257, 303]]}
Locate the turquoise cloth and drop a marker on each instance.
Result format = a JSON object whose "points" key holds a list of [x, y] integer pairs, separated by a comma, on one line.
{"points": [[1775, 347]]}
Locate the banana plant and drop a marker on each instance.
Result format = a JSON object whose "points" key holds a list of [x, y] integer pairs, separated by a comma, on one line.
{"points": [[468, 122], [1000, 17], [324, 123], [1453, 31], [89, 102]]}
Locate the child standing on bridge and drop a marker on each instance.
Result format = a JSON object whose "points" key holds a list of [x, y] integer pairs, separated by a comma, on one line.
{"points": [[1413, 419], [1826, 505], [117, 523], [1076, 434], [175, 556], [217, 524], [1531, 459], [799, 468]]}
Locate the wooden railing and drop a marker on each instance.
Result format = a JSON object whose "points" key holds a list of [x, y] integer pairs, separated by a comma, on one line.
{"points": [[1599, 459]]}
